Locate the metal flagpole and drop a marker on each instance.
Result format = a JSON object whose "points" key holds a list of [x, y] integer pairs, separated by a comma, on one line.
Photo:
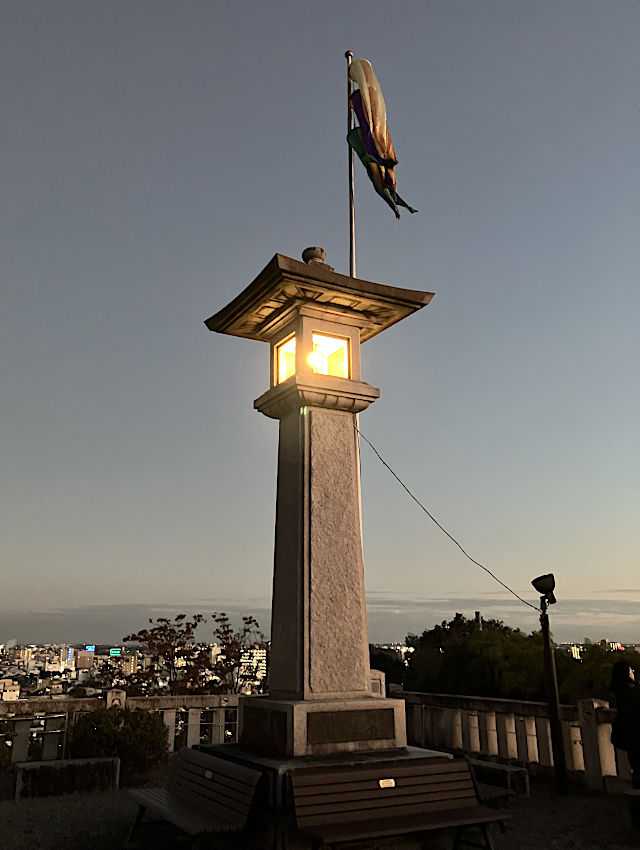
{"points": [[352, 209]]}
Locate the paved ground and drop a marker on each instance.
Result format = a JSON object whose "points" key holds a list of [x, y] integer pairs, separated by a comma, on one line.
{"points": [[583, 821]]}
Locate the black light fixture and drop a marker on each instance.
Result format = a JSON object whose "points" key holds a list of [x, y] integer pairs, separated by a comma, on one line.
{"points": [[545, 585]]}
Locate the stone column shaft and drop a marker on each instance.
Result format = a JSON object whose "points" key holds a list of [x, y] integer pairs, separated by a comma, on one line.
{"points": [[319, 641]]}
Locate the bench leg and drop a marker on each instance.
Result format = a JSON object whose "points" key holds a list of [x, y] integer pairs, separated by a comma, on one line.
{"points": [[487, 836], [136, 825], [487, 844]]}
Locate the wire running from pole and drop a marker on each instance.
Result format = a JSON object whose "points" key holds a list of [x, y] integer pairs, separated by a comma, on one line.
{"points": [[442, 528]]}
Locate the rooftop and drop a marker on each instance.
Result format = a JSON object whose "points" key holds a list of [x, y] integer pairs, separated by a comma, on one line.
{"points": [[285, 284]]}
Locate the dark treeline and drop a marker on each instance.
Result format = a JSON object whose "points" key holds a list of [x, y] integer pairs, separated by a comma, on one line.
{"points": [[458, 657]]}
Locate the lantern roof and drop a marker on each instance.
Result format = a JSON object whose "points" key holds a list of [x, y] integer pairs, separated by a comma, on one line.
{"points": [[286, 286]]}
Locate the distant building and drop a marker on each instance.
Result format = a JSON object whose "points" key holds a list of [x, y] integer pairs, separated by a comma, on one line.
{"points": [[9, 690], [129, 664], [253, 666], [85, 659]]}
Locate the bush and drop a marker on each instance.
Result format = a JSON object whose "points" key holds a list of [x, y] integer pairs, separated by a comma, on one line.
{"points": [[138, 738]]}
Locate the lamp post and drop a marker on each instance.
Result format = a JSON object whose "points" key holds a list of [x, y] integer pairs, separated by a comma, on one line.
{"points": [[545, 585]]}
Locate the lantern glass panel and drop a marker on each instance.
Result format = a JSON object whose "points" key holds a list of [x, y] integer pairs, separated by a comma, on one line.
{"points": [[286, 359], [329, 355]]}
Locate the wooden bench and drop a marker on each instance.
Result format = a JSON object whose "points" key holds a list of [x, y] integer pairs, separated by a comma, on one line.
{"points": [[337, 805], [203, 794]]}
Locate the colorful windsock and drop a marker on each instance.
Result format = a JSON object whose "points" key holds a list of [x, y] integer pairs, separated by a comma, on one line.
{"points": [[371, 140]]}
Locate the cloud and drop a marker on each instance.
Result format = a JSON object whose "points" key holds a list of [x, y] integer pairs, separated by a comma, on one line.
{"points": [[391, 617], [105, 623]]}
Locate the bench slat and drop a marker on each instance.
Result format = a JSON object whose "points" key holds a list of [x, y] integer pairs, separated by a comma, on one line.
{"points": [[384, 828], [415, 796], [318, 776], [188, 818], [186, 768], [192, 797], [232, 769], [322, 815], [404, 786], [212, 790]]}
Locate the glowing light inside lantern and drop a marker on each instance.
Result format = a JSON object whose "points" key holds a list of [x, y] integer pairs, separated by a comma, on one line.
{"points": [[330, 355], [286, 359]]}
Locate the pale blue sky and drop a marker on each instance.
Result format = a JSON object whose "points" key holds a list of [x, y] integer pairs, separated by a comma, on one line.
{"points": [[155, 155]]}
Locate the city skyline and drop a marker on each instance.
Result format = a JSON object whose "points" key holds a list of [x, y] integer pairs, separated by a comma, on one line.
{"points": [[157, 156]]}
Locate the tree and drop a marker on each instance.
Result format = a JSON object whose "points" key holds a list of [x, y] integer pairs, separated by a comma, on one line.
{"points": [[389, 662], [175, 655], [457, 657], [236, 665], [187, 665], [138, 738]]}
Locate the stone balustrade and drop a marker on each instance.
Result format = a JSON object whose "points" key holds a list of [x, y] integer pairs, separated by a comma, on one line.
{"points": [[200, 719], [517, 731], [504, 730]]}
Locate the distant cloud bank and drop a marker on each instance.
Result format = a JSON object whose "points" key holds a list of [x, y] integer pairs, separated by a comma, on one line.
{"points": [[391, 617]]}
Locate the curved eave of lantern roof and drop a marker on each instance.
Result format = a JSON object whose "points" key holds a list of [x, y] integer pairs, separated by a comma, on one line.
{"points": [[286, 286]]}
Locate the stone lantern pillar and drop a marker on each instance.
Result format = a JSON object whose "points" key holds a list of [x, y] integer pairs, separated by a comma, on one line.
{"points": [[314, 320]]}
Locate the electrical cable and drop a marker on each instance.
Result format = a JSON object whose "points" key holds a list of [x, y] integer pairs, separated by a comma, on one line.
{"points": [[444, 530]]}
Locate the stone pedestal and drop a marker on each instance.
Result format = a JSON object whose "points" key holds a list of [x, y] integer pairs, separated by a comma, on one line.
{"points": [[299, 728]]}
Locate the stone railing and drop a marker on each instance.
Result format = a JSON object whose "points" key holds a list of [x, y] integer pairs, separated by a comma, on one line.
{"points": [[505, 730], [518, 732], [36, 729]]}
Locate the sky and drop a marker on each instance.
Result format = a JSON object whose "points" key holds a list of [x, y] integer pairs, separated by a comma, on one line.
{"points": [[155, 155]]}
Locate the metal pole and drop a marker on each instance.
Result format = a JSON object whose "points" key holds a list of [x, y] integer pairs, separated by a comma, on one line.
{"points": [[352, 209], [553, 698]]}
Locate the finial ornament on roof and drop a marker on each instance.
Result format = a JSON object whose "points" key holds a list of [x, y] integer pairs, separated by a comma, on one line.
{"points": [[314, 255]]}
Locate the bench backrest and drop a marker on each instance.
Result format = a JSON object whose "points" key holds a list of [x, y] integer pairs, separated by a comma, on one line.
{"points": [[357, 793], [223, 788]]}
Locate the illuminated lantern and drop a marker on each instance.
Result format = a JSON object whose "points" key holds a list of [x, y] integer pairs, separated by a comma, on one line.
{"points": [[314, 321]]}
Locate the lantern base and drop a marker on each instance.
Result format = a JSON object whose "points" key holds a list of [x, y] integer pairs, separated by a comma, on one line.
{"points": [[281, 728]]}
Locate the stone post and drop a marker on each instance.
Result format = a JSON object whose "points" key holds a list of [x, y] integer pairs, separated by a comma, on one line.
{"points": [[169, 720], [527, 740], [593, 766], [52, 738], [488, 733], [454, 717], [20, 740], [507, 739], [577, 752], [472, 741], [193, 726], [543, 734]]}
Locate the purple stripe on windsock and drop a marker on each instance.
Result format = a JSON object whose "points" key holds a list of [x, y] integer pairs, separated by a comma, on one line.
{"points": [[367, 138]]}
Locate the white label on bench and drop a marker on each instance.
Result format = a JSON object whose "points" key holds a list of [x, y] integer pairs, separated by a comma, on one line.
{"points": [[387, 783]]}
